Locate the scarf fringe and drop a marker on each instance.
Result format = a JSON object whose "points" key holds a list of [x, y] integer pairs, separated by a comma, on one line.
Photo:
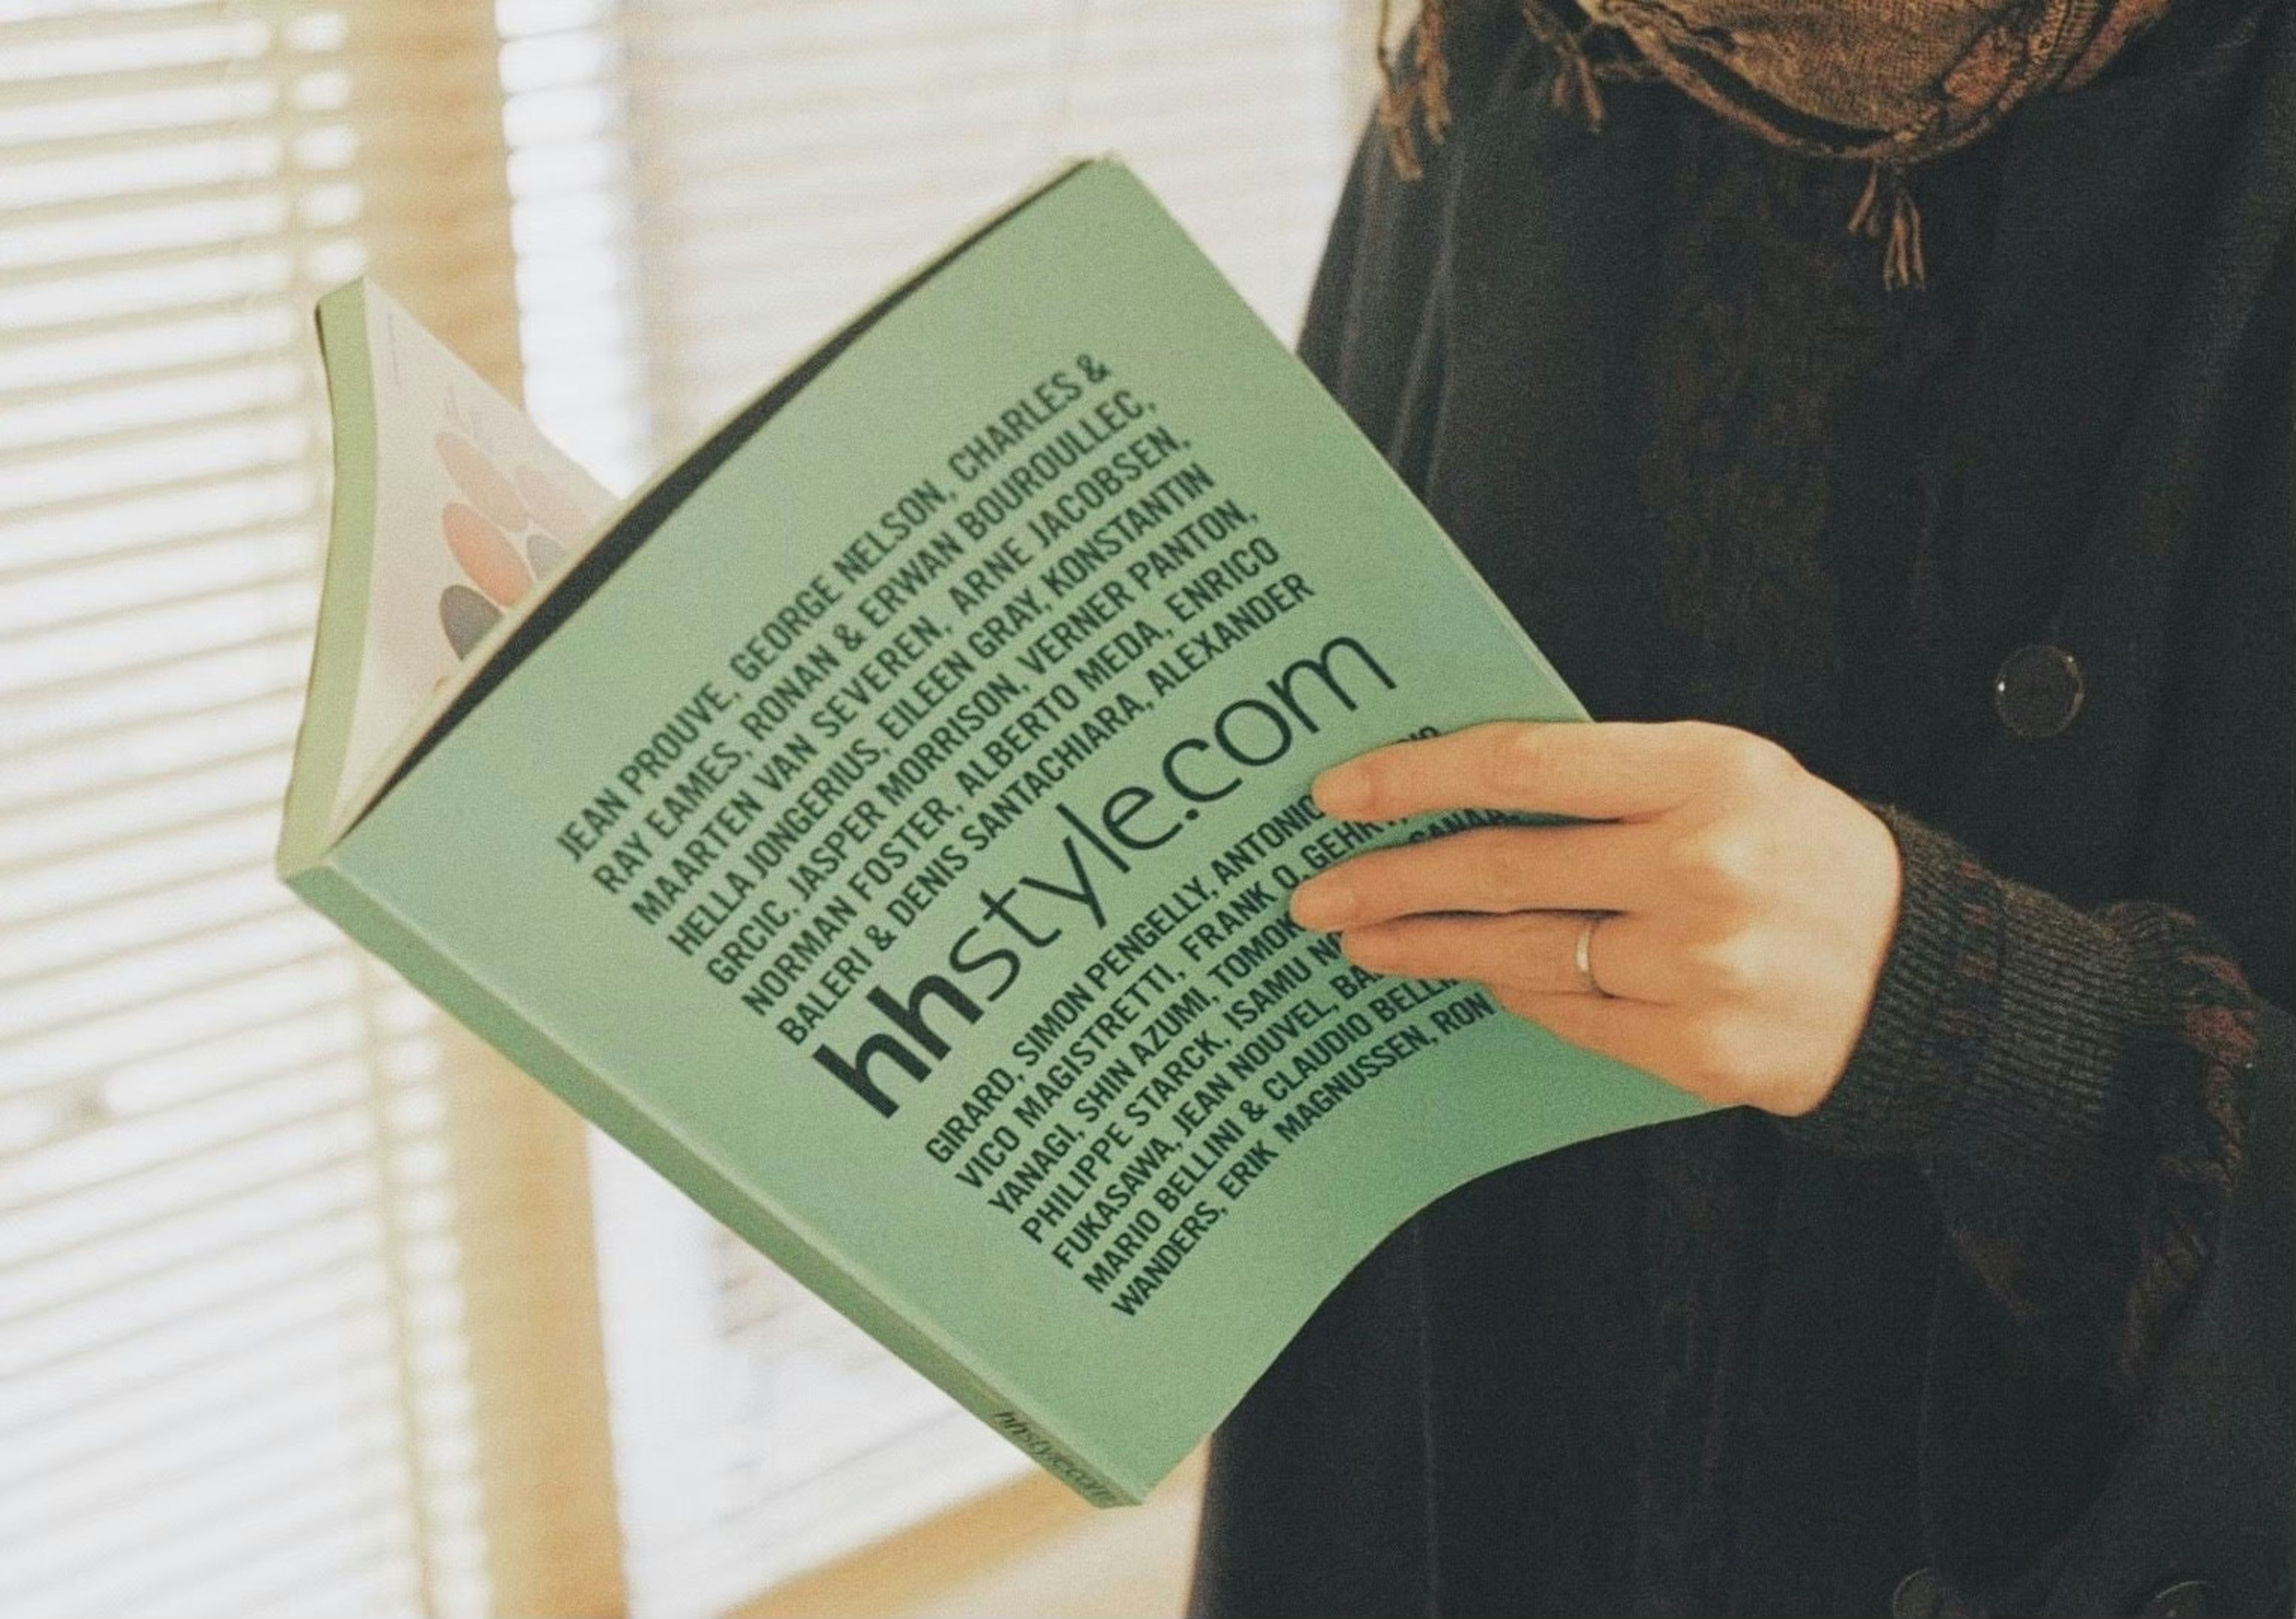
{"points": [[1414, 101], [1417, 97], [1887, 190], [1577, 84]]}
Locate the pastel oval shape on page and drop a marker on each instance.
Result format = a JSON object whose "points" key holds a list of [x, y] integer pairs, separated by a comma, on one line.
{"points": [[551, 507], [478, 479], [466, 616], [485, 553], [544, 554]]}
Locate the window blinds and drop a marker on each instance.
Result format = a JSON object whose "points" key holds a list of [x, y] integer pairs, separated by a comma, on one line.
{"points": [[264, 1303], [702, 190], [231, 1374], [791, 158]]}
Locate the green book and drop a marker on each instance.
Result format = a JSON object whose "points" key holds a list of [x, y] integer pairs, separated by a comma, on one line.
{"points": [[882, 822]]}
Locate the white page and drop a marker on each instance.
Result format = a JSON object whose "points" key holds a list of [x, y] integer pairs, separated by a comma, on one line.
{"points": [[474, 509]]}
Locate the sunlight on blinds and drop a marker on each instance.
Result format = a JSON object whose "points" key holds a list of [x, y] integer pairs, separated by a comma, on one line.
{"points": [[702, 190], [793, 158], [231, 1381], [572, 208]]}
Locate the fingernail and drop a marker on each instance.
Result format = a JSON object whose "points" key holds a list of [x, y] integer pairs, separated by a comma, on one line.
{"points": [[1343, 790], [1321, 904]]}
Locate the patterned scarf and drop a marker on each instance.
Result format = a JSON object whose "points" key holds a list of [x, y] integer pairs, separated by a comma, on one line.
{"points": [[1889, 83]]}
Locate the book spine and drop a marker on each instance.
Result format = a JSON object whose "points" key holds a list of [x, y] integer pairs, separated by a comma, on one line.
{"points": [[365, 917]]}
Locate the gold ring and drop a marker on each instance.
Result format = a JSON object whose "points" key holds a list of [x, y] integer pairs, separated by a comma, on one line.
{"points": [[1583, 956]]}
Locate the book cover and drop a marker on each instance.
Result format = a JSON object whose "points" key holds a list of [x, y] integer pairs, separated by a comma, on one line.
{"points": [[884, 823]]}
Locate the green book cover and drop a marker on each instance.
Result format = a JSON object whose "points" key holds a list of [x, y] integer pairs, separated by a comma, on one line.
{"points": [[883, 822]]}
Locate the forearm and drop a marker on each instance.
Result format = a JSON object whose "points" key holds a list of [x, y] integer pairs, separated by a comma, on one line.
{"points": [[2068, 1079]]}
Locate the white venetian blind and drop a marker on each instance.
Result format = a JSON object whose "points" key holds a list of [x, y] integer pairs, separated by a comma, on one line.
{"points": [[275, 1335], [232, 1374], [702, 190]]}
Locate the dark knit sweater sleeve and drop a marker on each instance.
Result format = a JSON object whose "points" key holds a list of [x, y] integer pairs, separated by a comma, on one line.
{"points": [[2067, 1079]]}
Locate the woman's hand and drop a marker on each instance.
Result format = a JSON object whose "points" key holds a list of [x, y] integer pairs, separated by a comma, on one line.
{"points": [[1750, 902]]}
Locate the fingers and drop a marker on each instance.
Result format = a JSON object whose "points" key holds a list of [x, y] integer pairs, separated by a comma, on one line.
{"points": [[1594, 867], [1648, 1018], [1530, 952], [1601, 771]]}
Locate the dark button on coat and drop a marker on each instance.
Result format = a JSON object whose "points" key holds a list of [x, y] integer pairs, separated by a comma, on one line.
{"points": [[2038, 692]]}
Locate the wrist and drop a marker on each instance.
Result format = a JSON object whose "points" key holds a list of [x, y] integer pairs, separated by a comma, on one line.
{"points": [[1997, 1024]]}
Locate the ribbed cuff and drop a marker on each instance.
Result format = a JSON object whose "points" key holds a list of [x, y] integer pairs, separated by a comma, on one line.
{"points": [[1998, 1030]]}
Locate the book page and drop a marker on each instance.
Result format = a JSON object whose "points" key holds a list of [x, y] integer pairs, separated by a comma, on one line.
{"points": [[474, 511]]}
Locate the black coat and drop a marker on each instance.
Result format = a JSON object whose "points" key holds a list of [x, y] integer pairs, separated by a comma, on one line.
{"points": [[2118, 486]]}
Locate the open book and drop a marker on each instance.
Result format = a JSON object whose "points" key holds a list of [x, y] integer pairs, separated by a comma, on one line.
{"points": [[882, 824]]}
